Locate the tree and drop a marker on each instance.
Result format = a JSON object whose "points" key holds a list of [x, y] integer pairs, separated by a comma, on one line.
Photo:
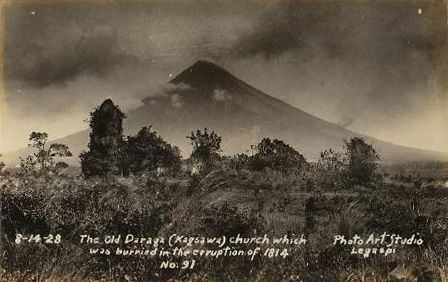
{"points": [[361, 161], [106, 146], [45, 156], [330, 161], [330, 168], [276, 155], [147, 151], [206, 147]]}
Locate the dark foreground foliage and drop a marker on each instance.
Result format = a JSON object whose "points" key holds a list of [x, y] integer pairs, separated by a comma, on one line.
{"points": [[227, 201]]}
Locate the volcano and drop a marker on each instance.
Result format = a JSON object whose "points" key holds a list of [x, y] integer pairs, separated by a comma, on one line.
{"points": [[207, 96]]}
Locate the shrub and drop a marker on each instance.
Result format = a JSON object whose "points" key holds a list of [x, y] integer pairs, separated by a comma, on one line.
{"points": [[206, 148], [147, 151], [361, 161], [239, 161], [330, 168], [277, 155]]}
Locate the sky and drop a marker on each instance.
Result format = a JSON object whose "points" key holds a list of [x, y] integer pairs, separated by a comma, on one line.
{"points": [[374, 67]]}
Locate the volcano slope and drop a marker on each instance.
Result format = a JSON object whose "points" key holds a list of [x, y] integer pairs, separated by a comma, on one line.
{"points": [[207, 96]]}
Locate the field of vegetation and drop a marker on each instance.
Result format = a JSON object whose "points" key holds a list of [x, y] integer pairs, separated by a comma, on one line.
{"points": [[140, 185]]}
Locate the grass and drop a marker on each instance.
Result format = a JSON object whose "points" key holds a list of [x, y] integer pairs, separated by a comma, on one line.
{"points": [[404, 200]]}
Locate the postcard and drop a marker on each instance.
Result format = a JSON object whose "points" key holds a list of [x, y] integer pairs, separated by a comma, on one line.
{"points": [[200, 140]]}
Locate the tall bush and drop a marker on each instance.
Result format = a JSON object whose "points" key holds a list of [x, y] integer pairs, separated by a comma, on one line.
{"points": [[206, 147], [277, 155], [147, 151], [361, 161]]}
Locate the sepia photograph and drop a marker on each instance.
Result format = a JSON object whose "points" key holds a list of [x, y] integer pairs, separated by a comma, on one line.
{"points": [[223, 140]]}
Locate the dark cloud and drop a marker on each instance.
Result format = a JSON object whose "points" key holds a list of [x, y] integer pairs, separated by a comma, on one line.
{"points": [[93, 55], [379, 32], [276, 33], [361, 64], [53, 46], [286, 26], [387, 49]]}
